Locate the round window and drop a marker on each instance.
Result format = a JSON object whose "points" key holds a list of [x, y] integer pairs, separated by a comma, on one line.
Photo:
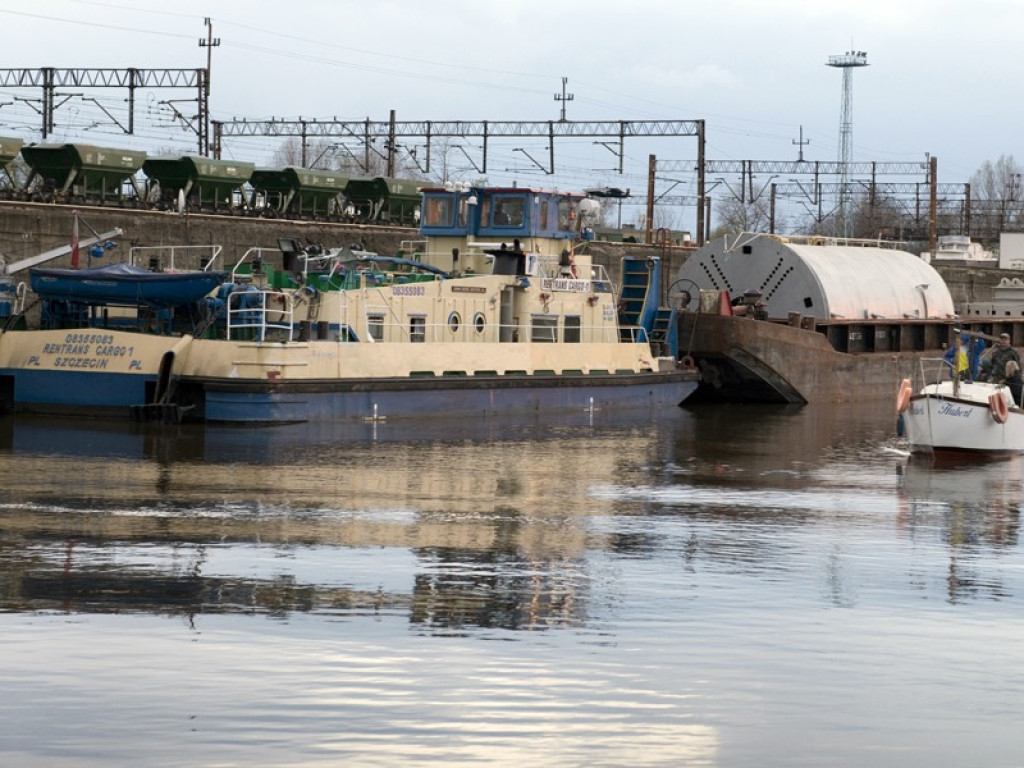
{"points": [[454, 321], [479, 322]]}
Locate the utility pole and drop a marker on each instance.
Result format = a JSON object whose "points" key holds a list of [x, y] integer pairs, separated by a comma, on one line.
{"points": [[801, 144], [563, 98], [652, 164], [209, 44]]}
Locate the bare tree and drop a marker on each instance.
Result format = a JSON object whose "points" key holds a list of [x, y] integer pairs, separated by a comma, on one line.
{"points": [[998, 201], [735, 215]]}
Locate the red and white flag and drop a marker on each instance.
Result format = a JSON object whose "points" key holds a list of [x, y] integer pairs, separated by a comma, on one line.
{"points": [[74, 241]]}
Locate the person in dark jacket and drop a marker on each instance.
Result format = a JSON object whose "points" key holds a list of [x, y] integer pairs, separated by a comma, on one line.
{"points": [[1001, 365]]}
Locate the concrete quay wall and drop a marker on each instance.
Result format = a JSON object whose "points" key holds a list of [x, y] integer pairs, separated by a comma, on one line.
{"points": [[28, 229]]}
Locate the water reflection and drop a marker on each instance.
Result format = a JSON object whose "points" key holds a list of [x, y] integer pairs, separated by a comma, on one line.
{"points": [[973, 506], [700, 587], [497, 525]]}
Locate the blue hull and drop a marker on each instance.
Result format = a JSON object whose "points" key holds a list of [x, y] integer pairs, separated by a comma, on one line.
{"points": [[94, 394], [450, 399], [84, 393]]}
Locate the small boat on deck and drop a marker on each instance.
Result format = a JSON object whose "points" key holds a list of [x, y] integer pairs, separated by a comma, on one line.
{"points": [[950, 416], [498, 309], [124, 284]]}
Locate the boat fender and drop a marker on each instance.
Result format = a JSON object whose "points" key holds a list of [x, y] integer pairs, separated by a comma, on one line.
{"points": [[997, 405], [687, 362], [903, 398]]}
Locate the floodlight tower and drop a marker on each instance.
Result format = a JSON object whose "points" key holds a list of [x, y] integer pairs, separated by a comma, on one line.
{"points": [[846, 62]]}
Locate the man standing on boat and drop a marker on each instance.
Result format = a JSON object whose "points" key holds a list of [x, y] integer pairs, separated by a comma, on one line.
{"points": [[1002, 365]]}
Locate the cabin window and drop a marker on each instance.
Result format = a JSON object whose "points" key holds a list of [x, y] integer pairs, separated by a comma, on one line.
{"points": [[508, 212], [566, 214], [571, 329], [479, 322], [544, 215], [454, 321], [463, 212], [544, 328], [375, 327], [418, 329], [439, 212]]}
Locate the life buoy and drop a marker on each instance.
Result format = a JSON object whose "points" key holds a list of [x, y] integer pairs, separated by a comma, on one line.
{"points": [[997, 405], [686, 362], [903, 397]]}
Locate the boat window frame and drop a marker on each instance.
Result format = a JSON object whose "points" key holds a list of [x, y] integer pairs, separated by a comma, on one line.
{"points": [[375, 325], [418, 329], [547, 323], [572, 332]]}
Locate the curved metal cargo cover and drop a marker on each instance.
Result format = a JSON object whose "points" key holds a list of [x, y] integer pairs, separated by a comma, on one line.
{"points": [[818, 277]]}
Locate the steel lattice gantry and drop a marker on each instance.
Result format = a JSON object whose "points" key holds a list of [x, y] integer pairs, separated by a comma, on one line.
{"points": [[366, 131], [49, 79]]}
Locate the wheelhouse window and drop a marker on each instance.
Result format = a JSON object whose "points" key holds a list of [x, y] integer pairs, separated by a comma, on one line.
{"points": [[439, 212], [508, 211], [418, 329], [566, 215], [571, 329], [544, 328]]}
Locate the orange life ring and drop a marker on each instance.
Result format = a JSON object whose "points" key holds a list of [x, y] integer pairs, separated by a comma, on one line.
{"points": [[903, 398], [997, 405]]}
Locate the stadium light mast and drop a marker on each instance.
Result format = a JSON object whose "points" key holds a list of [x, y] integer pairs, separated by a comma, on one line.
{"points": [[846, 62]]}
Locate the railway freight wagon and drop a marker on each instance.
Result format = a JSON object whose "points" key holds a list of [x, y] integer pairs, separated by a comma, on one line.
{"points": [[388, 201], [197, 183], [298, 193], [9, 150], [84, 174]]}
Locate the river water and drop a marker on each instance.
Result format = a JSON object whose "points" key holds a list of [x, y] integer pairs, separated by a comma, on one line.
{"points": [[711, 586]]}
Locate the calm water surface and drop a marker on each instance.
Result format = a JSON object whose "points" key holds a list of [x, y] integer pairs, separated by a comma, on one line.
{"points": [[732, 586]]}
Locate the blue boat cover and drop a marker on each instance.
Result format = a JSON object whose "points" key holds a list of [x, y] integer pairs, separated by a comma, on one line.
{"points": [[124, 284]]}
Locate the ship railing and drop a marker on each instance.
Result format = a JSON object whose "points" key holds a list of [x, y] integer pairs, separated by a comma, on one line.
{"points": [[249, 268], [635, 334], [260, 314], [934, 370], [176, 258]]}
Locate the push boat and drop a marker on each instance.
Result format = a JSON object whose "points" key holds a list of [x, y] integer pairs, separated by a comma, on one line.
{"points": [[484, 314], [947, 416]]}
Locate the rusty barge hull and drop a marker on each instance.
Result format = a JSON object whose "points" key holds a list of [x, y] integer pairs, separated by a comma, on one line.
{"points": [[802, 360]]}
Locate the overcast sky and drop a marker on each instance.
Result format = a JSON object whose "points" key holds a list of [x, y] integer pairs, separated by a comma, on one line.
{"points": [[943, 75]]}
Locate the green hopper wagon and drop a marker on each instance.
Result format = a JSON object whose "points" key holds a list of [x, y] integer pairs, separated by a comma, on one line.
{"points": [[9, 149], [201, 183], [298, 192], [81, 172], [389, 201]]}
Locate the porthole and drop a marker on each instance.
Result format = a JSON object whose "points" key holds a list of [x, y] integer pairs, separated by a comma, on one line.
{"points": [[479, 322], [454, 321]]}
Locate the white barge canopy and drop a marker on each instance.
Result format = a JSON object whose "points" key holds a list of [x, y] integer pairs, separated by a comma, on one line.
{"points": [[817, 277]]}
